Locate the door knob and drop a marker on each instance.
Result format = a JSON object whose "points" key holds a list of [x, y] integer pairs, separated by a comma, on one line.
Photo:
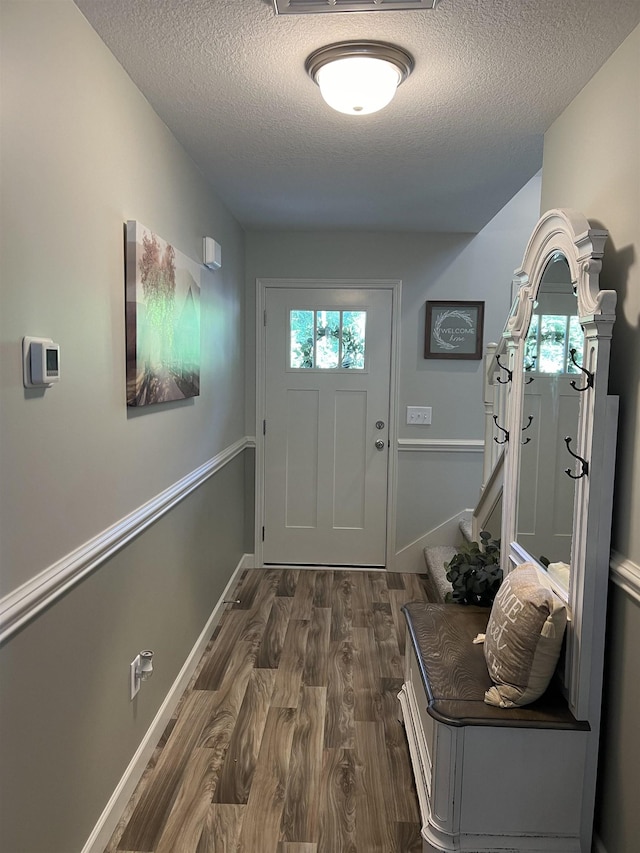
{"points": [[380, 444]]}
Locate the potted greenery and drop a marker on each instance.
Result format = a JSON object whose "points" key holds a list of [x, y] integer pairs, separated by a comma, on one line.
{"points": [[475, 573]]}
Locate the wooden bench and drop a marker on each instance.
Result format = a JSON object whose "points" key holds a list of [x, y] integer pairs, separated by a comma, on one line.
{"points": [[488, 779], [455, 676]]}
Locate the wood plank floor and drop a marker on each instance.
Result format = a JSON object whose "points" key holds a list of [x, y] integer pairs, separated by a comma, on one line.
{"points": [[287, 739]]}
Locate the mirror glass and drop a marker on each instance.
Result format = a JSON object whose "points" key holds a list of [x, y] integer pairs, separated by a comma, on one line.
{"points": [[550, 412]]}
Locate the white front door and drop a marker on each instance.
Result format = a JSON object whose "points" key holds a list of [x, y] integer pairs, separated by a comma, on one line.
{"points": [[326, 430], [545, 505]]}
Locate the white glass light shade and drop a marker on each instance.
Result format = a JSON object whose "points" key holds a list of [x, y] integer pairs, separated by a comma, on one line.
{"points": [[359, 77], [357, 85]]}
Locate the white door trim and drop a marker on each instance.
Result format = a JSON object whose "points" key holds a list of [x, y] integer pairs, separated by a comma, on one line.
{"points": [[262, 285]]}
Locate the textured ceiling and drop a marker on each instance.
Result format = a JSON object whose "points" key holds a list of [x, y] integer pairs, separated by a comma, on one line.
{"points": [[462, 135]]}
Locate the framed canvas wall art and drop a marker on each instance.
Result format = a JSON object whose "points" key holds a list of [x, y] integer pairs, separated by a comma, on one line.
{"points": [[162, 320]]}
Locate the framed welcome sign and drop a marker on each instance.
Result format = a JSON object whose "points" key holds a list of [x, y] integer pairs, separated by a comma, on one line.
{"points": [[454, 330]]}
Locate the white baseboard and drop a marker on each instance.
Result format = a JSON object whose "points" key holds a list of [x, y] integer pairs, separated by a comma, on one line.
{"points": [[411, 558], [109, 818], [248, 561]]}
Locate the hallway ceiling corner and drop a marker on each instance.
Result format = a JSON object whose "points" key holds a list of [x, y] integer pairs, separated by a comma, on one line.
{"points": [[463, 134]]}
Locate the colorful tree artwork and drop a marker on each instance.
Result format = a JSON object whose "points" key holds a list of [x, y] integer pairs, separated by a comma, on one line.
{"points": [[163, 320]]}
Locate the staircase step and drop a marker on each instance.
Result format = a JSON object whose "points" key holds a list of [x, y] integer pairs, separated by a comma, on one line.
{"points": [[435, 557], [465, 528]]}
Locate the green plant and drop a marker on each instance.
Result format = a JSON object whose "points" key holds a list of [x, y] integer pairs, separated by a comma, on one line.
{"points": [[475, 573]]}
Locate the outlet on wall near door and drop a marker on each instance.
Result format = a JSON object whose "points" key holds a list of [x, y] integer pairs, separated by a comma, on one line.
{"points": [[418, 415], [140, 669]]}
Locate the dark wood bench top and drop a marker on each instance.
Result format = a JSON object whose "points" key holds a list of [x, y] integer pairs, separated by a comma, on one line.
{"points": [[455, 675]]}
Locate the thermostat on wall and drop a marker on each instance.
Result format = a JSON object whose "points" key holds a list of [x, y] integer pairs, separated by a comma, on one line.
{"points": [[40, 362]]}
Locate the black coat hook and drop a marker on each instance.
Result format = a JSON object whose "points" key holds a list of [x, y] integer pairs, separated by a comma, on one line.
{"points": [[529, 422], [587, 373], [583, 462], [503, 381], [529, 367], [505, 431]]}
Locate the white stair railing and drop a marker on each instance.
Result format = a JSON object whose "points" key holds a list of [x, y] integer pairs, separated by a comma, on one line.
{"points": [[495, 395]]}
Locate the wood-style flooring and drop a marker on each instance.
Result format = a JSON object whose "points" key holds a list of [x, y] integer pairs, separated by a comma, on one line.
{"points": [[287, 739]]}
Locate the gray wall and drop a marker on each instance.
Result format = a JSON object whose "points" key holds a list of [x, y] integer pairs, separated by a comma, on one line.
{"points": [[69, 729], [82, 152], [592, 164], [431, 266]]}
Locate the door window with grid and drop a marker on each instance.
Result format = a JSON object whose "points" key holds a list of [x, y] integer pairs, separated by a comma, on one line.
{"points": [[327, 340], [550, 341]]}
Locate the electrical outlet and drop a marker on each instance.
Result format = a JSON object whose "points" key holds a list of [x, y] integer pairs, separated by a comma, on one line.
{"points": [[134, 675], [418, 415]]}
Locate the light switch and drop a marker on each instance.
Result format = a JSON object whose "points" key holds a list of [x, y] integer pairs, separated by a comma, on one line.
{"points": [[418, 415]]}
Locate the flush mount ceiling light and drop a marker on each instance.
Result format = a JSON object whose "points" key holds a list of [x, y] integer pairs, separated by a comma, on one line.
{"points": [[359, 77]]}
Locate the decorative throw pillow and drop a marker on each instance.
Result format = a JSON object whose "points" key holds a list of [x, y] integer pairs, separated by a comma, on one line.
{"points": [[523, 639]]}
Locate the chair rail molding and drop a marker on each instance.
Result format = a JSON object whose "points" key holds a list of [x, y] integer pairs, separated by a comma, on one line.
{"points": [[24, 603], [443, 445], [625, 574]]}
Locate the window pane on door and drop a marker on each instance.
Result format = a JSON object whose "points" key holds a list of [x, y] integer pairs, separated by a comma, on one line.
{"points": [[549, 343], [301, 325], [576, 342], [327, 340], [531, 345], [353, 335], [553, 333]]}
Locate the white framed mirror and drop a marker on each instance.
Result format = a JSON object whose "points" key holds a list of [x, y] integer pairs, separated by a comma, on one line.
{"points": [[559, 462], [552, 347]]}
